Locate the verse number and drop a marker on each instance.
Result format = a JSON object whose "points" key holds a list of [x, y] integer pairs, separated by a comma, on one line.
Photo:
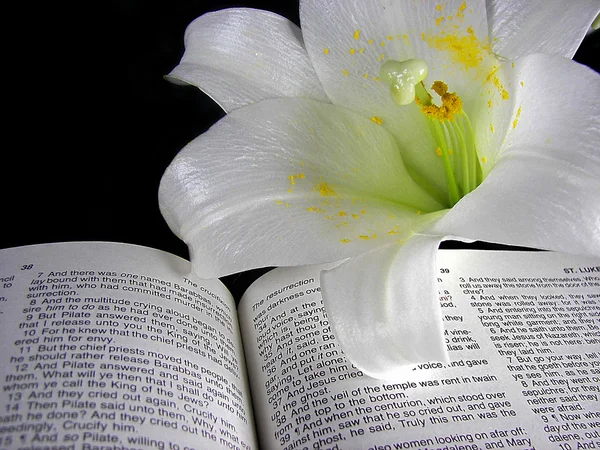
{"points": [[27, 267], [444, 270]]}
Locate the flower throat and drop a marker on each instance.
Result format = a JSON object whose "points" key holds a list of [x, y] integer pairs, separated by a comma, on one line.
{"points": [[449, 124]]}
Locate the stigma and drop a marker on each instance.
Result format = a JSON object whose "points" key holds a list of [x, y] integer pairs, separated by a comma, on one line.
{"points": [[402, 77]]}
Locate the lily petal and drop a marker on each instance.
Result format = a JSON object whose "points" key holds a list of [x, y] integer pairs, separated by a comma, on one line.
{"points": [[242, 56], [531, 201], [553, 27], [290, 182], [556, 113], [384, 309], [544, 187], [348, 44]]}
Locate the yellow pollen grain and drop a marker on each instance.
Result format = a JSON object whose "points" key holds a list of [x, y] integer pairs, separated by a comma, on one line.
{"points": [[450, 152], [370, 41], [364, 237], [492, 73], [522, 83], [483, 159], [363, 211], [355, 216], [376, 78], [490, 103], [512, 64], [342, 214], [516, 121], [345, 72], [382, 43], [326, 51], [324, 189], [439, 21], [345, 241], [419, 212], [352, 51], [405, 39], [361, 50], [492, 127], [381, 57], [438, 151], [357, 34], [464, 49], [389, 38], [366, 75], [279, 202], [292, 179], [377, 120]]}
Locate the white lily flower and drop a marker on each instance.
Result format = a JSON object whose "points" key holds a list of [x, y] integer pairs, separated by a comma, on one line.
{"points": [[324, 156]]}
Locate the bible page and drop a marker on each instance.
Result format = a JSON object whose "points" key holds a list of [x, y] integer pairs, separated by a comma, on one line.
{"points": [[523, 333], [107, 345]]}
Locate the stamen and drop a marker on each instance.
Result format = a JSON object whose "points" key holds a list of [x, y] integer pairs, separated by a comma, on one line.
{"points": [[450, 125], [402, 76]]}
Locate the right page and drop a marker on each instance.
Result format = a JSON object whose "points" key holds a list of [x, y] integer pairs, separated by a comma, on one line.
{"points": [[523, 334]]}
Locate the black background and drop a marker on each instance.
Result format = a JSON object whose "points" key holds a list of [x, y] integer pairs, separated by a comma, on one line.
{"points": [[91, 124]]}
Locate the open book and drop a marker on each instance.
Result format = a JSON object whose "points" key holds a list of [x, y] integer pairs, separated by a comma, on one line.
{"points": [[115, 346]]}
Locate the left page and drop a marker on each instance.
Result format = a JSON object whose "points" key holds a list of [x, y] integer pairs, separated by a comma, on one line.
{"points": [[106, 345]]}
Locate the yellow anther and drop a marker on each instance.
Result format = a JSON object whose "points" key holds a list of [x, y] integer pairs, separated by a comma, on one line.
{"points": [[439, 87], [451, 103], [377, 120]]}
